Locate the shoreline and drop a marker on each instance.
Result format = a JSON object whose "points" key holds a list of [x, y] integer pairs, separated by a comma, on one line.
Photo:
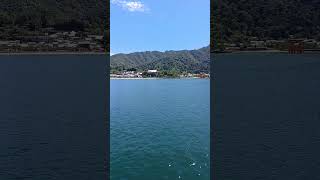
{"points": [[261, 51], [107, 53], [151, 78]]}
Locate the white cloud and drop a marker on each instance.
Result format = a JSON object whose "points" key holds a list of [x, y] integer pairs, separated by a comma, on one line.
{"points": [[131, 6]]}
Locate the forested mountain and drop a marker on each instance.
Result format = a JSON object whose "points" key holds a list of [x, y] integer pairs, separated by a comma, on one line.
{"points": [[185, 60], [236, 20], [23, 16]]}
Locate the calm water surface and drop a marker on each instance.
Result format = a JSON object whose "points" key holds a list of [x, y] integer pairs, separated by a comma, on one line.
{"points": [[52, 117], [160, 129], [267, 116]]}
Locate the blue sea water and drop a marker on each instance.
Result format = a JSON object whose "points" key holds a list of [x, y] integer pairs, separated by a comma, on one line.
{"points": [[267, 117], [160, 129], [52, 117]]}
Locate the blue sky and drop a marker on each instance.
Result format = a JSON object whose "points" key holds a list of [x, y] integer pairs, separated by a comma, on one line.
{"points": [[159, 25]]}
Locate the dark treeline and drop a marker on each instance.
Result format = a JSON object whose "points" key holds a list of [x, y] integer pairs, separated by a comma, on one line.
{"points": [[236, 20], [25, 17]]}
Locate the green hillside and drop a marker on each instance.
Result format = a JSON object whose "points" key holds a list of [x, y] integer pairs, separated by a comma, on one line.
{"points": [[235, 21], [20, 17], [185, 60]]}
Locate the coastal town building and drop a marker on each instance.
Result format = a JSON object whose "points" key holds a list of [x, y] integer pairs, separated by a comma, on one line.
{"points": [[154, 74], [291, 45], [49, 39]]}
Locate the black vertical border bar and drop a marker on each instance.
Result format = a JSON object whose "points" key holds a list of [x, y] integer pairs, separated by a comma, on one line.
{"points": [[212, 93], [107, 98]]}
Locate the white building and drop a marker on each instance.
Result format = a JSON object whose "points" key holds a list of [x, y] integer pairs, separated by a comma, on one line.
{"points": [[152, 71]]}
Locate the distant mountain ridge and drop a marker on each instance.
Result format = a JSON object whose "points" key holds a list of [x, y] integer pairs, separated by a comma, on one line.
{"points": [[185, 60]]}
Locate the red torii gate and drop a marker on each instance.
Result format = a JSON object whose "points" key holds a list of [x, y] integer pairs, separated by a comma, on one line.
{"points": [[295, 46]]}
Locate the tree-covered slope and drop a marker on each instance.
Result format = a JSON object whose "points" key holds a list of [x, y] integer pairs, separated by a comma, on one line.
{"points": [[186, 60], [234, 21], [25, 15]]}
